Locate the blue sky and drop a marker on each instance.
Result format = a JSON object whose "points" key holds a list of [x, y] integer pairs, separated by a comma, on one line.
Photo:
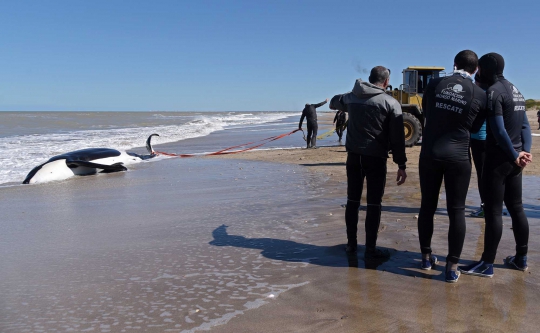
{"points": [[242, 55]]}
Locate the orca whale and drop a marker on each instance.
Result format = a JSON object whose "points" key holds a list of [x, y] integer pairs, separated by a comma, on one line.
{"points": [[86, 162]]}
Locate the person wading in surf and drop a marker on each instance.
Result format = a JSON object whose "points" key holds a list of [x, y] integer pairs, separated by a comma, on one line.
{"points": [[310, 113], [340, 119]]}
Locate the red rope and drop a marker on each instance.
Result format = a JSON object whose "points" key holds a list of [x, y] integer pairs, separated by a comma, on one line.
{"points": [[228, 150]]}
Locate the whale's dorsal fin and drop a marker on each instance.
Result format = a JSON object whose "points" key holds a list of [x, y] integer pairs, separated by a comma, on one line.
{"points": [[149, 144]]}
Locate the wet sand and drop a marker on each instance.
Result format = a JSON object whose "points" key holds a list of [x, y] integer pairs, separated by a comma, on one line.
{"points": [[257, 245], [397, 296], [148, 250]]}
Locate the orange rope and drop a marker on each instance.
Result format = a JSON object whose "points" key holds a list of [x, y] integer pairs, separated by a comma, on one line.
{"points": [[228, 150]]}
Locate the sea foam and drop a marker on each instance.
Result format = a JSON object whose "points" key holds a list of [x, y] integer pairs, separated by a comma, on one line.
{"points": [[21, 153]]}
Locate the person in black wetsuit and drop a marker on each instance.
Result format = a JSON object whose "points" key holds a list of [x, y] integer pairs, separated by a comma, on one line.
{"points": [[340, 119], [538, 116], [453, 107], [375, 126], [478, 152], [508, 146], [310, 113]]}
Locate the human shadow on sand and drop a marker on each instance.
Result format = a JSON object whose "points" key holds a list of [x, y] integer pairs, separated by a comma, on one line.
{"points": [[400, 262]]}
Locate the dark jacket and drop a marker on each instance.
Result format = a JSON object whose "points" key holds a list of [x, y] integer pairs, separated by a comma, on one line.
{"points": [[375, 122], [340, 118], [310, 113]]}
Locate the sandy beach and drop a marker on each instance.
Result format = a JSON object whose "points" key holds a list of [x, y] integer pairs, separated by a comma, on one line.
{"points": [[398, 296], [137, 252]]}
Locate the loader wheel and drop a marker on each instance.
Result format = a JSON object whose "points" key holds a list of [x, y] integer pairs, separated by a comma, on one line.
{"points": [[413, 129]]}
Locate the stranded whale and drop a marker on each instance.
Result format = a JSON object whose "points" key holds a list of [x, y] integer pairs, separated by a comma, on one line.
{"points": [[86, 162]]}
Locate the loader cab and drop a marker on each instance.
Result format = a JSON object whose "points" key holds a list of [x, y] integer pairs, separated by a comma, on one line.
{"points": [[416, 79], [409, 95]]}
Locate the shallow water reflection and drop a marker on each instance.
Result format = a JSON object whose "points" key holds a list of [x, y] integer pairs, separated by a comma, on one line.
{"points": [[131, 251]]}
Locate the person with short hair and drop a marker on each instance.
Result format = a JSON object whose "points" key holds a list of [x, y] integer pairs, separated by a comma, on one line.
{"points": [[310, 113], [508, 146], [453, 108], [538, 116], [375, 126]]}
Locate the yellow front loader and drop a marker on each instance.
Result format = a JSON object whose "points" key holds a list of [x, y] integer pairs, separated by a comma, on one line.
{"points": [[409, 95]]}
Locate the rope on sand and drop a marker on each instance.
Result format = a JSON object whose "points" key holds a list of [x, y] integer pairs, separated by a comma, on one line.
{"points": [[330, 132], [229, 150]]}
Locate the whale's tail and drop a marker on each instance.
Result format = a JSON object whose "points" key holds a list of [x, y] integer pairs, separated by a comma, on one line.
{"points": [[149, 145]]}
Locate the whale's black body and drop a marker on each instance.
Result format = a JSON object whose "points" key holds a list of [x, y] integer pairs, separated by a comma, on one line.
{"points": [[84, 162]]}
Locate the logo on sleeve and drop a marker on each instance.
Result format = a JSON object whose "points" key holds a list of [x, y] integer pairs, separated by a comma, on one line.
{"points": [[517, 96]]}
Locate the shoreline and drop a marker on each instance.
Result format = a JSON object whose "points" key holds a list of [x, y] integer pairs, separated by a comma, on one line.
{"points": [[246, 242]]}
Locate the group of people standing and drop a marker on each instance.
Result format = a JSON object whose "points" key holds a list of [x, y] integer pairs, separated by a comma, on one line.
{"points": [[455, 107]]}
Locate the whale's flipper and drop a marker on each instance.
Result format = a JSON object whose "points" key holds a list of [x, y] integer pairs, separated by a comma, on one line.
{"points": [[118, 167], [32, 173], [72, 164], [149, 144]]}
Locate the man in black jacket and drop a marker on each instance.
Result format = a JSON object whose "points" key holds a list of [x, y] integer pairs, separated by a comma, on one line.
{"points": [[310, 113], [375, 126]]}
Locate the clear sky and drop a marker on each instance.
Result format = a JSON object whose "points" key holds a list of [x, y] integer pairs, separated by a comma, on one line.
{"points": [[173, 55]]}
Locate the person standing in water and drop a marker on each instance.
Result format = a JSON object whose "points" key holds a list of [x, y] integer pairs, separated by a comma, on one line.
{"points": [[453, 107], [375, 126], [340, 119], [310, 113], [508, 146]]}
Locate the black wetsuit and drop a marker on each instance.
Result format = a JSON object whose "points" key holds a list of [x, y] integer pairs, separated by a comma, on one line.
{"points": [[508, 133], [478, 152], [310, 113], [339, 120], [453, 107], [478, 146]]}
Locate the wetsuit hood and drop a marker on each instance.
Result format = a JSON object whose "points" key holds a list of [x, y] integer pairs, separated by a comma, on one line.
{"points": [[491, 68], [479, 81], [364, 89]]}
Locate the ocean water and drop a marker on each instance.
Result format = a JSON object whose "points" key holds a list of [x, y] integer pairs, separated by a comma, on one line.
{"points": [[180, 245], [28, 139]]}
